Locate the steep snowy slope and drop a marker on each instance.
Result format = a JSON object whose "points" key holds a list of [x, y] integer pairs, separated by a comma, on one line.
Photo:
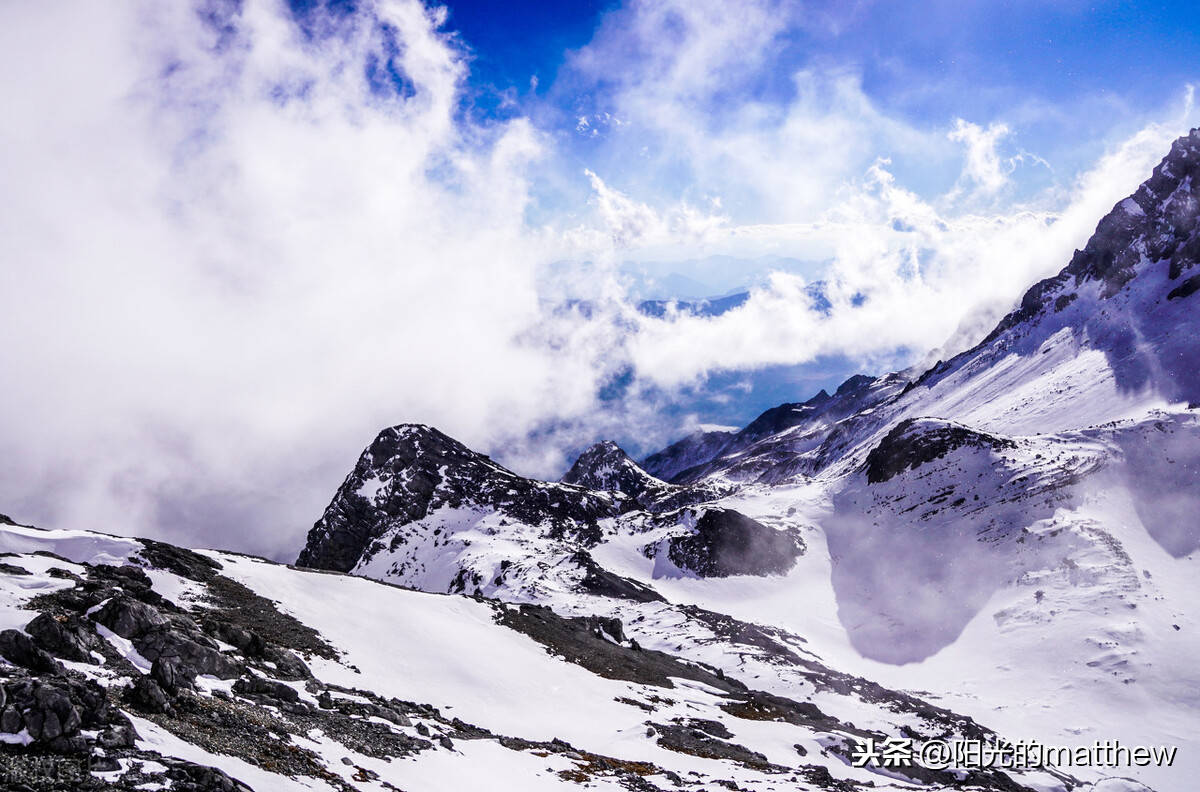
{"points": [[165, 668]]}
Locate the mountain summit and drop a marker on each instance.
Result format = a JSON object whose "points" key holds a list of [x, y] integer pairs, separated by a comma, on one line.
{"points": [[606, 467]]}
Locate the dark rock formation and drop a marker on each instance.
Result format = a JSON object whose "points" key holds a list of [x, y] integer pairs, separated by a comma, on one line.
{"points": [[726, 542], [418, 469], [19, 649], [599, 581], [912, 443], [607, 468], [71, 637], [128, 617]]}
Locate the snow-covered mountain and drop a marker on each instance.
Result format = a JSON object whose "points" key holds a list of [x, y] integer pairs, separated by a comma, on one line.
{"points": [[1001, 547], [1024, 510]]}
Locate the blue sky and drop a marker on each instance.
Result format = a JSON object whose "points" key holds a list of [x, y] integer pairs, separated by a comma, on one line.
{"points": [[267, 228], [1069, 76]]}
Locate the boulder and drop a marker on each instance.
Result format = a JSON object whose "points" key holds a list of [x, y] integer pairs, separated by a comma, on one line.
{"points": [[191, 657], [258, 686], [128, 617], [171, 674], [70, 638], [146, 695], [18, 648]]}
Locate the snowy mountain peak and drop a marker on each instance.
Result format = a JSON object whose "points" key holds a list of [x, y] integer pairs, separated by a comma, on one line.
{"points": [[606, 467], [411, 471]]}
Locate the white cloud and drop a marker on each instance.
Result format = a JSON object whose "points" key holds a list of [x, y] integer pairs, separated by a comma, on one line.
{"points": [[812, 177], [903, 275], [984, 166], [228, 262]]}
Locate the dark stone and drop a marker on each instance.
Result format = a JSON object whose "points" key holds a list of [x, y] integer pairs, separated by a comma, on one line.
{"points": [[191, 657], [10, 720], [287, 664], [611, 627], [70, 638], [710, 727], [1185, 289], [389, 714], [120, 735], [189, 777], [128, 617], [104, 764], [258, 686], [171, 674], [148, 696], [47, 711], [18, 648], [76, 744], [599, 581], [249, 643], [726, 542]]}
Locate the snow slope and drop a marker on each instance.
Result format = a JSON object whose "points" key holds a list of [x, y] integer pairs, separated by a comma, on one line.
{"points": [[332, 681]]}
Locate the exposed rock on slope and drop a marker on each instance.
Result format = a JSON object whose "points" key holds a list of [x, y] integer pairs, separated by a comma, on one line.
{"points": [[422, 510], [695, 449], [411, 471], [607, 468], [726, 543], [349, 684], [911, 443]]}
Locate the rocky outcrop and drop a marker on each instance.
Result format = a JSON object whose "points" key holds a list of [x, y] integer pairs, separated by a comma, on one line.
{"points": [[725, 542], [914, 442], [411, 470], [19, 649], [69, 637], [606, 468]]}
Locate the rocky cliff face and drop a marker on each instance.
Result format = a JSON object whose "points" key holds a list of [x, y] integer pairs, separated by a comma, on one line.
{"points": [[605, 467]]}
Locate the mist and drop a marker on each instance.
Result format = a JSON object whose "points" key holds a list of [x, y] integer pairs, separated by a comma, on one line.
{"points": [[237, 242]]}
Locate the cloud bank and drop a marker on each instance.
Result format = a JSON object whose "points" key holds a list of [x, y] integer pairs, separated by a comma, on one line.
{"points": [[237, 241]]}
